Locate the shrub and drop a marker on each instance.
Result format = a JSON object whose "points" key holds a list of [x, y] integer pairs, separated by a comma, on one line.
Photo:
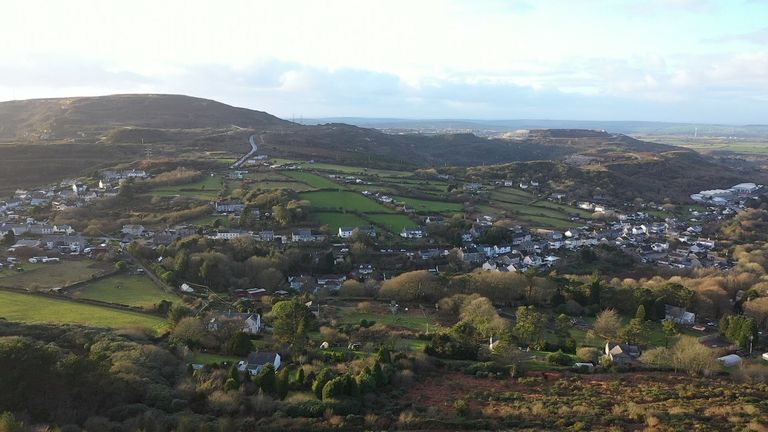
{"points": [[559, 358], [310, 408], [588, 354], [462, 407]]}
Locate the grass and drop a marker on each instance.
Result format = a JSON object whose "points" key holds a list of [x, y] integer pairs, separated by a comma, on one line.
{"points": [[205, 189], [293, 185], [313, 180], [334, 220], [343, 200], [126, 290], [392, 222], [412, 320], [47, 276], [36, 309], [345, 169], [209, 220], [205, 358], [430, 206]]}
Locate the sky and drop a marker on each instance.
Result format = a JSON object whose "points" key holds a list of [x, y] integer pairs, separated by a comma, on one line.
{"points": [[657, 60]]}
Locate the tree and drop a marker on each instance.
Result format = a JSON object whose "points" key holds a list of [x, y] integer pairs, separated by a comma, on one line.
{"points": [[607, 324], [177, 312], [670, 329], [529, 324], [189, 331], [239, 344], [266, 378], [121, 266], [634, 332], [282, 383], [8, 423], [562, 326], [481, 313], [9, 238], [640, 313], [291, 320], [693, 357], [321, 379]]}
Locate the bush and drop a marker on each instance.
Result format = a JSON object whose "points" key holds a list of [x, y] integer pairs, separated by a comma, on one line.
{"points": [[462, 407], [559, 358], [588, 354], [310, 408]]}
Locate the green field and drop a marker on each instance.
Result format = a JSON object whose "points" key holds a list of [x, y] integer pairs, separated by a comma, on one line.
{"points": [[54, 275], [272, 185], [412, 320], [392, 222], [37, 309], [314, 180], [205, 358], [126, 290], [343, 200], [209, 220], [343, 169], [430, 206], [335, 220], [205, 189]]}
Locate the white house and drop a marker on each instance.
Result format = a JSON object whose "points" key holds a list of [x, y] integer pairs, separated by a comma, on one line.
{"points": [[411, 233], [679, 315], [346, 232], [255, 361]]}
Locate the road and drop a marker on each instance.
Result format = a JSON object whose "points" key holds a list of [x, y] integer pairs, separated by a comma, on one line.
{"points": [[254, 148]]}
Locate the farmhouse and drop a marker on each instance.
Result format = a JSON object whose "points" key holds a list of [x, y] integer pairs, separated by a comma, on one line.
{"points": [[69, 244], [620, 353], [249, 323], [302, 235]]}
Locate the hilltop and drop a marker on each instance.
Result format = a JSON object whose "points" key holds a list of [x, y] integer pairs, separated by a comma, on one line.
{"points": [[93, 117]]}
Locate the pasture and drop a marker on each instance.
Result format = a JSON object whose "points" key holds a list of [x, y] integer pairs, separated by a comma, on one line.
{"points": [[47, 276], [206, 189], [313, 180], [343, 200], [30, 308], [334, 220], [392, 222], [431, 206], [129, 290]]}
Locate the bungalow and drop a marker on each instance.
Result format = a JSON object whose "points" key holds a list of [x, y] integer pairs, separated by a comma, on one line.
{"points": [[412, 233], [434, 220], [256, 361], [331, 279], [40, 229], [134, 230]]}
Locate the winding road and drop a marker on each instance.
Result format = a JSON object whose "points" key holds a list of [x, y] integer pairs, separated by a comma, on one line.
{"points": [[254, 148]]}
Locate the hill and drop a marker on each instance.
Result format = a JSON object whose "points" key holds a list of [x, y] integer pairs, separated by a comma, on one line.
{"points": [[91, 118]]}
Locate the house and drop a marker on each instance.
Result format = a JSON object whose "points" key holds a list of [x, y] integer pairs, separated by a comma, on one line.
{"points": [[267, 236], [730, 360], [25, 243], [302, 235], [621, 354], [434, 220], [365, 269], [255, 361], [412, 233], [70, 244], [472, 187], [331, 279], [470, 254], [370, 230], [251, 323], [230, 234], [134, 230], [40, 229], [229, 207], [63, 229], [346, 232], [679, 315]]}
